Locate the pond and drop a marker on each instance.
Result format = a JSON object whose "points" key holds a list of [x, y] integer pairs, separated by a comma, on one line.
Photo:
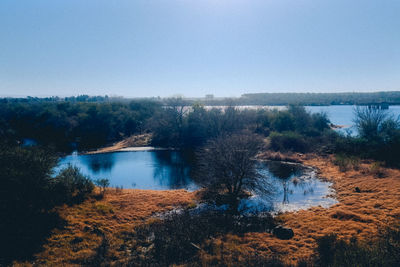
{"points": [[294, 186], [156, 170]]}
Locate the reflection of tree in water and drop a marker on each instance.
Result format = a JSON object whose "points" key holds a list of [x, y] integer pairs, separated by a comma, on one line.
{"points": [[99, 162], [172, 168], [286, 174]]}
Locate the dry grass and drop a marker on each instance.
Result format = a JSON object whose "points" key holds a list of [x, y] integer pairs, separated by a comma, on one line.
{"points": [[132, 141], [359, 213], [111, 218]]}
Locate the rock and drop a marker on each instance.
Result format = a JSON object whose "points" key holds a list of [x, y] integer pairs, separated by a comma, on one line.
{"points": [[282, 232], [357, 189]]}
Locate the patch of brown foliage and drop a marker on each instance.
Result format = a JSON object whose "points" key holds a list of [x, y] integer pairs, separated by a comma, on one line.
{"points": [[278, 156], [132, 141], [359, 214], [110, 219]]}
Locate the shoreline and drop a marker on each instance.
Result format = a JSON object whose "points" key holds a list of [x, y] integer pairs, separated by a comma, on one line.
{"points": [[358, 213], [139, 142], [126, 149]]}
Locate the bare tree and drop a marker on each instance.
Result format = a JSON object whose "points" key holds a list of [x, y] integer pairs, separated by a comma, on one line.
{"points": [[228, 169]]}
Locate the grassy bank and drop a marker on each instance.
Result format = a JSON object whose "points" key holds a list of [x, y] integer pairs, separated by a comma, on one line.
{"points": [[102, 229], [99, 229]]}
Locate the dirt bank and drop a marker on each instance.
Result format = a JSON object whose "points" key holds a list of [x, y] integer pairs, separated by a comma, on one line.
{"points": [[142, 140]]}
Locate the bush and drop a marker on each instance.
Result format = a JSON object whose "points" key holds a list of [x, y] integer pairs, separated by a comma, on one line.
{"points": [[28, 194], [288, 141], [376, 170], [346, 162], [70, 186], [177, 238], [103, 183], [384, 251]]}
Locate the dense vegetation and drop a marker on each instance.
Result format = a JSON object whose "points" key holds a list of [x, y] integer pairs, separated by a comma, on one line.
{"points": [[28, 195], [66, 125], [378, 138], [291, 129]]}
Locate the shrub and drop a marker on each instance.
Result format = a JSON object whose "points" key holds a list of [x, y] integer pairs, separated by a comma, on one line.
{"points": [[288, 141], [28, 194], [177, 238], [345, 162], [384, 251], [376, 170], [70, 186], [103, 183]]}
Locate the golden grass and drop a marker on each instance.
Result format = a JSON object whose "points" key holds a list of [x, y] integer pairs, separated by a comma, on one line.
{"points": [[359, 214], [356, 214], [113, 218]]}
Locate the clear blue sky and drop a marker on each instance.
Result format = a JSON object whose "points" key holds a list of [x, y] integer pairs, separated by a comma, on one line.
{"points": [[195, 47]]}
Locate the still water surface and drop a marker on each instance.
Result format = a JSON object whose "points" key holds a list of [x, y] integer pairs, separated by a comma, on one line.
{"points": [[157, 170], [294, 187], [344, 115]]}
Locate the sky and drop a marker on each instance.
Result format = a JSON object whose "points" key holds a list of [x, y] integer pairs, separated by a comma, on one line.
{"points": [[196, 47]]}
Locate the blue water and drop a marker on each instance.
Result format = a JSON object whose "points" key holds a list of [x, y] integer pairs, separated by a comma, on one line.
{"points": [[157, 170], [292, 186], [344, 115]]}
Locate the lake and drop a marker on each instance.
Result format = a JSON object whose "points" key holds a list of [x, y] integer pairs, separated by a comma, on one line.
{"points": [[338, 114], [294, 186], [344, 115]]}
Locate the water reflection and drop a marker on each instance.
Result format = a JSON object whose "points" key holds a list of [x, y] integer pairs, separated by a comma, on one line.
{"points": [[172, 168], [294, 186], [157, 170], [299, 187], [285, 173], [100, 162]]}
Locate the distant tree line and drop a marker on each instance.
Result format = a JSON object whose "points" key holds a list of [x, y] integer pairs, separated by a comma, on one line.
{"points": [[280, 99], [67, 125], [320, 98]]}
